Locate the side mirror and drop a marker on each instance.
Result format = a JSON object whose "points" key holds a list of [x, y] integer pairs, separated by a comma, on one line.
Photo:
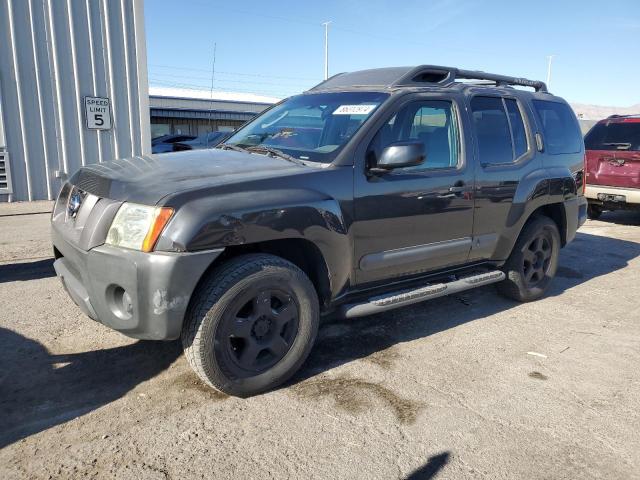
{"points": [[400, 155]]}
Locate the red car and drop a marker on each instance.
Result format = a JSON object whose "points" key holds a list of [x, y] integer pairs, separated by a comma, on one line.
{"points": [[613, 164]]}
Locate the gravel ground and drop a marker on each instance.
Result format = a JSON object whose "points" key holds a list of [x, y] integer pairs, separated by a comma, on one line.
{"points": [[468, 386]]}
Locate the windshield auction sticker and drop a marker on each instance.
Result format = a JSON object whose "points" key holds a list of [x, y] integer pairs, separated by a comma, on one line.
{"points": [[354, 109]]}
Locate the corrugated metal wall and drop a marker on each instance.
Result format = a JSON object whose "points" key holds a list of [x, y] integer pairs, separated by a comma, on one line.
{"points": [[53, 53]]}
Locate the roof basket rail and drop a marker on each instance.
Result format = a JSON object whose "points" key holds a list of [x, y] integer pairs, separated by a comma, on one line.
{"points": [[447, 75]]}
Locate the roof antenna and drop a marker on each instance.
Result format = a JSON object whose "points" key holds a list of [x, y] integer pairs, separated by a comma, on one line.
{"points": [[213, 72]]}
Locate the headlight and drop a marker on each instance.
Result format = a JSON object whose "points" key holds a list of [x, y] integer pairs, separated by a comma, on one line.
{"points": [[138, 226]]}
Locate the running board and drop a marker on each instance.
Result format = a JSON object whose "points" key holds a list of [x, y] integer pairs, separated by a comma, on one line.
{"points": [[407, 297]]}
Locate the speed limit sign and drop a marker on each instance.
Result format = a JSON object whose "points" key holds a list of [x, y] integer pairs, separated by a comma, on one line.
{"points": [[98, 113]]}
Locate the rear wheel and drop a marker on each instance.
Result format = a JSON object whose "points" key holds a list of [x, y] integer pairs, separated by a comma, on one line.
{"points": [[533, 261], [594, 211], [251, 324]]}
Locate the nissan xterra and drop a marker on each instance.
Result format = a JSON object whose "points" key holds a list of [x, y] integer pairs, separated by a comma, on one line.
{"points": [[371, 191]]}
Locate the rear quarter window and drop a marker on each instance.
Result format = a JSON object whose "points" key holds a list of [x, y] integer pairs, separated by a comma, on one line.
{"points": [[559, 127]]}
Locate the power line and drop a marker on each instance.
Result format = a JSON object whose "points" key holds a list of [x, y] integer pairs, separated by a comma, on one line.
{"points": [[348, 29], [223, 84], [201, 87], [218, 79], [220, 72]]}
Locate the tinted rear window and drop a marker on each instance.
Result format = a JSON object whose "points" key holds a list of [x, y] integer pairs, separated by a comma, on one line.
{"points": [[559, 126], [614, 136], [492, 128]]}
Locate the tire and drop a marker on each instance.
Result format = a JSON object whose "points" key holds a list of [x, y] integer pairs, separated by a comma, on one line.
{"points": [[251, 324], [533, 261], [594, 211]]}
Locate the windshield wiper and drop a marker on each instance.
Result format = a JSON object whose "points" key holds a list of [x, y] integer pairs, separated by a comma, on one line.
{"points": [[230, 146], [273, 152]]}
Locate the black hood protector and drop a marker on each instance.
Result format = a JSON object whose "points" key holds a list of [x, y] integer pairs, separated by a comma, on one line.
{"points": [[147, 179]]}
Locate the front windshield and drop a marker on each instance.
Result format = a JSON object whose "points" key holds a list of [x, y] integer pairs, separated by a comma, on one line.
{"points": [[311, 127]]}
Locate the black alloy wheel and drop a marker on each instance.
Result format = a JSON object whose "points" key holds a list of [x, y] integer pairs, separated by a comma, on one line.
{"points": [[533, 261], [257, 330], [251, 323], [536, 258]]}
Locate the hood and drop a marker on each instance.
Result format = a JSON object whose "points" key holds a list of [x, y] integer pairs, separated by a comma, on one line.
{"points": [[147, 179]]}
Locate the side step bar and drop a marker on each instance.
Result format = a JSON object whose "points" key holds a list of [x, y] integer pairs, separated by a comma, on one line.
{"points": [[407, 297]]}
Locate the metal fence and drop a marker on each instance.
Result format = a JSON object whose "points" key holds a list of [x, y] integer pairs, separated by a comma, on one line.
{"points": [[53, 55]]}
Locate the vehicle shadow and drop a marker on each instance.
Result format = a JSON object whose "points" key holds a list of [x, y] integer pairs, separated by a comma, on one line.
{"points": [[12, 272], [430, 469], [39, 390], [342, 341], [621, 217]]}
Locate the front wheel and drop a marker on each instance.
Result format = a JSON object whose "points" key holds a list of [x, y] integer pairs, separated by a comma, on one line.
{"points": [[251, 324], [533, 261]]}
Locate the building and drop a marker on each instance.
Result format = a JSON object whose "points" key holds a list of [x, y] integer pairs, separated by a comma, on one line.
{"points": [[73, 90], [194, 112]]}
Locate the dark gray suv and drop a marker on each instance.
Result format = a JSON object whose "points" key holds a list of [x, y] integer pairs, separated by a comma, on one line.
{"points": [[373, 190]]}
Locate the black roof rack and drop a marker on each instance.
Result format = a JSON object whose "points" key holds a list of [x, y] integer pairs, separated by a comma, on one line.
{"points": [[421, 76]]}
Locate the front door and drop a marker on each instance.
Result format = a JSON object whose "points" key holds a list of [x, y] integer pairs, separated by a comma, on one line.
{"points": [[414, 219]]}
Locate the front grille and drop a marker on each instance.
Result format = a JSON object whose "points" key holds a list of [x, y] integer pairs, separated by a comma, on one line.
{"points": [[84, 226], [91, 182]]}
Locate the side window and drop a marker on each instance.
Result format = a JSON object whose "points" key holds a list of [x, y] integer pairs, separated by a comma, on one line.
{"points": [[492, 130], [500, 130], [559, 126], [433, 123]]}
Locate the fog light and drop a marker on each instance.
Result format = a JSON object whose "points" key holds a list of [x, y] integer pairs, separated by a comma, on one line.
{"points": [[120, 302]]}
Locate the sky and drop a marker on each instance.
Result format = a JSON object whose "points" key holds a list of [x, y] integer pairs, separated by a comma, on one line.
{"points": [[277, 48]]}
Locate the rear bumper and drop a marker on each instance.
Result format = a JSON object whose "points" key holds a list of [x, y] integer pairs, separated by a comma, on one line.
{"points": [[632, 195], [158, 286], [575, 210], [582, 210]]}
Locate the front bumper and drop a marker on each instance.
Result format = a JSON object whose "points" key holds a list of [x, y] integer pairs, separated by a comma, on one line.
{"points": [[158, 286], [631, 195]]}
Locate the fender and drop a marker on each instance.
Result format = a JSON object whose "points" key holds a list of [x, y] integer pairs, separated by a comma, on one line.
{"points": [[247, 217], [539, 188]]}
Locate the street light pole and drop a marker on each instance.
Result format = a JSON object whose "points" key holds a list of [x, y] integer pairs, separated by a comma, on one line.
{"points": [[549, 60], [326, 49]]}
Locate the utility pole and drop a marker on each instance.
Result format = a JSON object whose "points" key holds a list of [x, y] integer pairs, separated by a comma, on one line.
{"points": [[549, 60], [326, 49], [213, 73]]}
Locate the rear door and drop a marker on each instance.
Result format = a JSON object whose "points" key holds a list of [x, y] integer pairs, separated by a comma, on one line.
{"points": [[613, 153], [505, 151]]}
